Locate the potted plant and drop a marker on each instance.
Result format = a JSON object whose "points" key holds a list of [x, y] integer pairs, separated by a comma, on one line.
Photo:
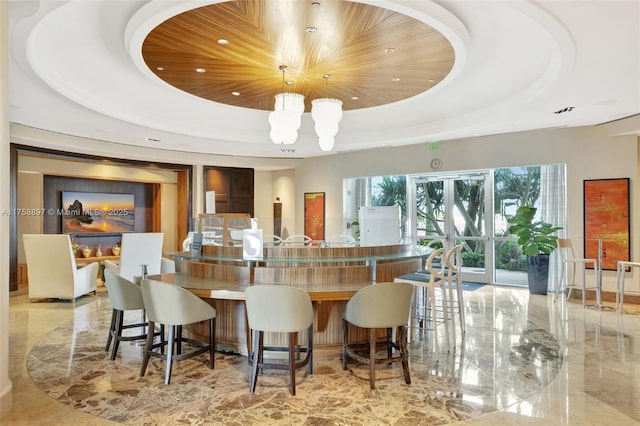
{"points": [[537, 244]]}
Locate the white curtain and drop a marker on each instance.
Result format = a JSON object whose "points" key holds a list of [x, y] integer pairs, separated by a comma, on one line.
{"points": [[553, 209]]}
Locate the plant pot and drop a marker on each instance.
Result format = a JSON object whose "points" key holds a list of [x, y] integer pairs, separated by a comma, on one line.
{"points": [[538, 273]]}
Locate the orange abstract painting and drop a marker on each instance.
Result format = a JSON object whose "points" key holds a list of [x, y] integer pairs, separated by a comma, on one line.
{"points": [[314, 215], [606, 220]]}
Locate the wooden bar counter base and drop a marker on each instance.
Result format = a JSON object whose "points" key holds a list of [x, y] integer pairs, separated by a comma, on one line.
{"points": [[330, 275]]}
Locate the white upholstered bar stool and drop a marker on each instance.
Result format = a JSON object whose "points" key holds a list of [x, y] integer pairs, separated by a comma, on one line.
{"points": [[620, 277], [425, 307], [124, 296], [279, 309], [173, 306], [378, 306]]}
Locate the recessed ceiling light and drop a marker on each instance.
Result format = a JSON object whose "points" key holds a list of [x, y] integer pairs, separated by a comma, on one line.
{"points": [[355, 98], [223, 41], [235, 93], [289, 83], [395, 79], [389, 50], [160, 68], [311, 29], [200, 70]]}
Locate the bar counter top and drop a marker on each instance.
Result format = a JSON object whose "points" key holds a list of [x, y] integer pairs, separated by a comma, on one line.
{"points": [[211, 289]]}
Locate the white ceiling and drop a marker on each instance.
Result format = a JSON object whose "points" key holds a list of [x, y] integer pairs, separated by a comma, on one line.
{"points": [[76, 69]]}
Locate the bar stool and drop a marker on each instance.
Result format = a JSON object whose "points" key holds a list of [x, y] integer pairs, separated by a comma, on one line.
{"points": [[620, 277], [425, 306], [173, 306], [378, 306], [453, 272], [279, 309], [124, 296], [568, 280]]}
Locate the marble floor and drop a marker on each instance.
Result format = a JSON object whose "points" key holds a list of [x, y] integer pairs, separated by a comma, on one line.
{"points": [[523, 360]]}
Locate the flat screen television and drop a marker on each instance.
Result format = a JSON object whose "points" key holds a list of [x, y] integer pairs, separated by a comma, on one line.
{"points": [[97, 212]]}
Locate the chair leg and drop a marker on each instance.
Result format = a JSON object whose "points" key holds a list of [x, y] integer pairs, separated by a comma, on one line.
{"points": [[111, 329], [584, 287], [212, 343], [171, 342], [460, 304], [310, 350], [293, 341], [434, 320], [372, 358], [162, 337], [117, 333], [402, 336], [345, 327], [257, 349], [178, 339], [147, 349], [618, 272], [561, 285], [443, 290], [452, 315]]}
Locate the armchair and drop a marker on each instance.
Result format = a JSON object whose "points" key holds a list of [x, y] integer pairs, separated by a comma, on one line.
{"points": [[52, 269]]}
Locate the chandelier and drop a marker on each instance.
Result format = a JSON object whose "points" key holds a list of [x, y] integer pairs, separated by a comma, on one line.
{"points": [[285, 119], [326, 113]]}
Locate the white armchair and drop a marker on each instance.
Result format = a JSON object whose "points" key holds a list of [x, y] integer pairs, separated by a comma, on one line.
{"points": [[52, 269], [138, 249]]}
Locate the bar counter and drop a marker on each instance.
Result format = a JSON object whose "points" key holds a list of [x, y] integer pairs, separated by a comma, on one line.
{"points": [[331, 276]]}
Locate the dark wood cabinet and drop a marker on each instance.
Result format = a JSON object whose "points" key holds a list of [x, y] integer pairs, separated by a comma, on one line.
{"points": [[233, 188]]}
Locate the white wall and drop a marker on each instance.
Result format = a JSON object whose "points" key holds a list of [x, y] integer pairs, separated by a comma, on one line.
{"points": [[588, 152], [262, 199]]}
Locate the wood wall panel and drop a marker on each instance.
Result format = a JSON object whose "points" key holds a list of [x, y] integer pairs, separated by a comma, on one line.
{"points": [[23, 277], [184, 208], [185, 172], [294, 274], [146, 199], [217, 272], [13, 219]]}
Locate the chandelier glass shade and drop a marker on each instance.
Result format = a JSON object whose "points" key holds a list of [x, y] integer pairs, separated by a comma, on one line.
{"points": [[285, 119], [326, 113]]}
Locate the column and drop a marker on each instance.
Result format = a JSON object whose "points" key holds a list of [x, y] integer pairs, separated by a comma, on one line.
{"points": [[5, 382]]}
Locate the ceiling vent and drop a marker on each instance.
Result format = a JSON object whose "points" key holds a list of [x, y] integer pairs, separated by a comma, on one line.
{"points": [[567, 109]]}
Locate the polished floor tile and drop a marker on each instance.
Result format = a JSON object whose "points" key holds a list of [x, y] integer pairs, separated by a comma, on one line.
{"points": [[523, 360]]}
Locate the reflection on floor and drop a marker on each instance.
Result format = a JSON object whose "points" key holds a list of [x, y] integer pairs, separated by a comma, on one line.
{"points": [[524, 360]]}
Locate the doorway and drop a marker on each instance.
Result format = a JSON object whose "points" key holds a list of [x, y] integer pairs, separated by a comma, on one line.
{"points": [[451, 209]]}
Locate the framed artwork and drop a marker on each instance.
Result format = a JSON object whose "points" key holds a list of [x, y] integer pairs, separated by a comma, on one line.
{"points": [[606, 219], [97, 212], [314, 215]]}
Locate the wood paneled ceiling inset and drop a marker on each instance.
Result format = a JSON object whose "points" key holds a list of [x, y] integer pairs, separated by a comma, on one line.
{"points": [[364, 48]]}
